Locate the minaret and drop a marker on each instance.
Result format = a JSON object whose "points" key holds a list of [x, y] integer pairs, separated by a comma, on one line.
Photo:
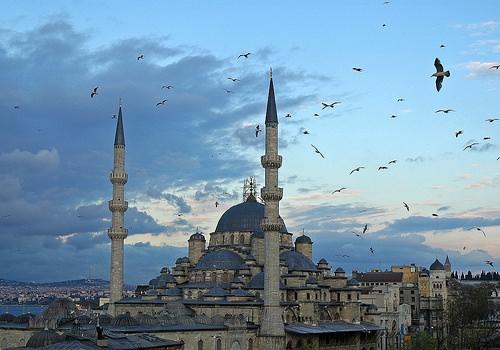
{"points": [[117, 206], [271, 328]]}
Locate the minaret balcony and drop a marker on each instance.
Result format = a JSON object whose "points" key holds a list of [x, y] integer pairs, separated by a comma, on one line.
{"points": [[271, 225], [119, 177], [117, 233], [118, 205], [272, 161], [271, 194]]}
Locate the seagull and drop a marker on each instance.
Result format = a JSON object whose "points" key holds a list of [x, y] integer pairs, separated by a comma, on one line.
{"points": [[342, 255], [305, 132], [435, 215], [227, 91], [257, 130], [384, 25], [394, 116], [464, 248], [441, 46], [495, 66], [339, 190], [315, 115], [406, 206], [459, 132], [392, 161], [357, 69], [440, 74], [372, 251], [471, 145], [317, 151], [445, 111], [113, 116], [478, 229], [498, 158], [365, 228], [140, 57], [382, 168], [487, 138], [94, 92], [179, 214], [233, 79], [161, 103], [168, 87], [357, 235], [288, 115], [245, 55], [400, 100], [216, 204], [491, 120], [331, 105], [488, 262], [16, 107], [357, 169]]}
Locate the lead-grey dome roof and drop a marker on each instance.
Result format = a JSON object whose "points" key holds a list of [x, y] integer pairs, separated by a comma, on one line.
{"points": [[243, 217], [257, 282], [220, 259], [436, 265], [44, 338], [303, 239], [124, 320], [297, 261], [197, 237]]}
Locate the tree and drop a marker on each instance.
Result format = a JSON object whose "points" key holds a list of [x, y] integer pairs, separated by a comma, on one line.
{"points": [[423, 341]]}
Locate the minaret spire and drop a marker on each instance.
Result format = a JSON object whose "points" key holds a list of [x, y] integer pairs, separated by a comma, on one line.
{"points": [[117, 232], [271, 329]]}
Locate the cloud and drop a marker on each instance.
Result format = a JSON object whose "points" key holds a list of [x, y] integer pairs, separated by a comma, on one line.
{"points": [[478, 69], [418, 159], [176, 201], [17, 160]]}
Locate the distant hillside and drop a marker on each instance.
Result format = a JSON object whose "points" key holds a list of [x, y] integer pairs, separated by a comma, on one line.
{"points": [[72, 283]]}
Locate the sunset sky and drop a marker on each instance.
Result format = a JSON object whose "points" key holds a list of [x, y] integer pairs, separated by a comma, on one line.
{"points": [[56, 149]]}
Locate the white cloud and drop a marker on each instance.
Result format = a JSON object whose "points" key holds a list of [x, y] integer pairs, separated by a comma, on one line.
{"points": [[43, 159], [479, 69]]}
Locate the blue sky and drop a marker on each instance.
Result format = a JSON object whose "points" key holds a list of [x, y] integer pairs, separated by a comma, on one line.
{"points": [[56, 149]]}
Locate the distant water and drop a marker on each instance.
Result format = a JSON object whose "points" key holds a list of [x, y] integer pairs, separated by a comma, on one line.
{"points": [[17, 310]]}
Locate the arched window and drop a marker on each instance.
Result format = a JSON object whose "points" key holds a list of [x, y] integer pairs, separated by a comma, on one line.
{"points": [[200, 344], [250, 344], [225, 276], [218, 344], [289, 345], [214, 276], [296, 296], [232, 239], [336, 317], [241, 240], [235, 345]]}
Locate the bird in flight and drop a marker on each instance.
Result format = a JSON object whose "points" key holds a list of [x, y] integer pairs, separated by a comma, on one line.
{"points": [[464, 248], [357, 235], [498, 158], [113, 116], [435, 215], [317, 151], [459, 132], [357, 69], [384, 25], [365, 228], [486, 138], [382, 168], [445, 111], [491, 120], [227, 91], [406, 206], [478, 229], [394, 116], [94, 92], [471, 145], [257, 130], [342, 255], [233, 79], [16, 107], [179, 214], [356, 169], [305, 132], [140, 57], [495, 66], [216, 204], [331, 105], [161, 103], [315, 115], [440, 74], [400, 100], [288, 115], [441, 46], [392, 161], [488, 262], [168, 87], [245, 55], [372, 251], [339, 190]]}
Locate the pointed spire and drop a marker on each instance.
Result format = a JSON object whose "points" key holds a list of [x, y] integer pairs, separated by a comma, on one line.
{"points": [[119, 135], [271, 114], [447, 262]]}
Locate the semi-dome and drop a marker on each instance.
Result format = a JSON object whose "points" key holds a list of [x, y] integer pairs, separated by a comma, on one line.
{"points": [[436, 266], [44, 338], [297, 261], [220, 259], [257, 282], [244, 217], [162, 280], [60, 309], [145, 319], [197, 237], [303, 240]]}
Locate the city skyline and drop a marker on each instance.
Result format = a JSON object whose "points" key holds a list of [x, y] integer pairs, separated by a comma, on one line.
{"points": [[198, 147]]}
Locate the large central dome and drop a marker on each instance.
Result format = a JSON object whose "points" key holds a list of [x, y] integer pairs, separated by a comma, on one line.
{"points": [[243, 217]]}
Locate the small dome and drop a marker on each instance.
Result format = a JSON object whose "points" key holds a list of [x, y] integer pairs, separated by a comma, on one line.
{"points": [[437, 266], [44, 338], [339, 270], [239, 293], [104, 320], [220, 259], [250, 257], [162, 280], [146, 320], [60, 309], [124, 320], [197, 237], [297, 261], [424, 272], [203, 319], [257, 282], [322, 261], [216, 292], [184, 259], [243, 217], [173, 292], [303, 240], [165, 270], [6, 317], [353, 282]]}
